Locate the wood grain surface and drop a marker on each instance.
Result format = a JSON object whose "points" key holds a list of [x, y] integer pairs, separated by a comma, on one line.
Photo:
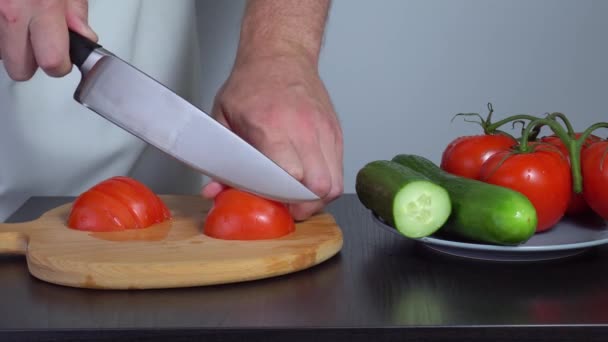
{"points": [[167, 255]]}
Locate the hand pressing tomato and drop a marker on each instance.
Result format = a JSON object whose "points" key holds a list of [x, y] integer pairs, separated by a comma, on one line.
{"points": [[594, 167], [117, 203], [577, 204], [239, 215], [542, 175], [465, 155]]}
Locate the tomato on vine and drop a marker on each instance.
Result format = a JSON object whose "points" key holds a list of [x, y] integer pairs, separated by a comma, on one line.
{"points": [[536, 174], [577, 205], [538, 170], [594, 164], [465, 155]]}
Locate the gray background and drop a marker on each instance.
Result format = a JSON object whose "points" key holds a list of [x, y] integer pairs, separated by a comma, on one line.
{"points": [[398, 70]]}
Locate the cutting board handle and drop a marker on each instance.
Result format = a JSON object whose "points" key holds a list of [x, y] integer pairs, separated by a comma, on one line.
{"points": [[13, 238], [13, 243]]}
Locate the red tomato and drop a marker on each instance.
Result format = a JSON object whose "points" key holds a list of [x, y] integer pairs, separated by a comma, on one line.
{"points": [[117, 203], [594, 167], [239, 215], [577, 204], [555, 140], [465, 155], [542, 175]]}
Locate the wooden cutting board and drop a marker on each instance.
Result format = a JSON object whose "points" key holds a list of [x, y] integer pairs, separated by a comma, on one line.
{"points": [[167, 255]]}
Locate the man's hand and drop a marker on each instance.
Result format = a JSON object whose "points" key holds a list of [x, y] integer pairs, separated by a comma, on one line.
{"points": [[275, 99], [280, 105], [34, 33]]}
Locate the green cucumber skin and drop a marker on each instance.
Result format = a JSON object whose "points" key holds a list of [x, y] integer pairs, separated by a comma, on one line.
{"points": [[377, 184], [480, 211]]}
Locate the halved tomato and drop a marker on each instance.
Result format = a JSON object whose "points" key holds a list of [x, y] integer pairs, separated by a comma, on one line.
{"points": [[117, 203], [240, 215]]}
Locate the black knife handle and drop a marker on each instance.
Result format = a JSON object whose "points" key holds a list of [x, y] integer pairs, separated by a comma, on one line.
{"points": [[80, 48]]}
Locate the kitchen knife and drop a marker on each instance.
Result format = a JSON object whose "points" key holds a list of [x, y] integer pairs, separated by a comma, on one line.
{"points": [[147, 109]]}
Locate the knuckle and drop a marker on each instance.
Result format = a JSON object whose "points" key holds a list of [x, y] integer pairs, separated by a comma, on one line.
{"points": [[9, 11], [296, 172], [80, 5], [19, 69], [20, 74], [53, 63], [321, 186], [48, 3], [336, 191]]}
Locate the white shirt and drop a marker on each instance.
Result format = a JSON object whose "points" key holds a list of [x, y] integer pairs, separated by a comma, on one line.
{"points": [[51, 145]]}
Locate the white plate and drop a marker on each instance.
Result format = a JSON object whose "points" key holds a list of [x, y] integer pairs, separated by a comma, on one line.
{"points": [[569, 237]]}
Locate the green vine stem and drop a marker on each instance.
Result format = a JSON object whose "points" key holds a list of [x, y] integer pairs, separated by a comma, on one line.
{"points": [[586, 133], [573, 145], [492, 128], [566, 122], [553, 116], [567, 136]]}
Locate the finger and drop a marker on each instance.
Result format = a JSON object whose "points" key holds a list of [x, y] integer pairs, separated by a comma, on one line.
{"points": [[332, 147], [49, 36], [302, 211], [77, 18], [285, 154], [15, 47], [212, 189], [317, 175]]}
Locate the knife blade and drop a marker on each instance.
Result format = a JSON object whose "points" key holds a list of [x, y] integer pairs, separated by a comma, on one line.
{"points": [[139, 104]]}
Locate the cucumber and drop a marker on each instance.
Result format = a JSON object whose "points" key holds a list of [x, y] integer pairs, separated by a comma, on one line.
{"points": [[403, 198], [480, 211]]}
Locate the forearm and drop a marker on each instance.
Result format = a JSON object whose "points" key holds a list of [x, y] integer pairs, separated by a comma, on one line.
{"points": [[283, 27]]}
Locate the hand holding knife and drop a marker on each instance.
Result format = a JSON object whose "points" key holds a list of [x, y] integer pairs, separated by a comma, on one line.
{"points": [[142, 106]]}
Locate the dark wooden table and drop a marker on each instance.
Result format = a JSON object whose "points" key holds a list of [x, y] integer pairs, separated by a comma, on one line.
{"points": [[379, 288]]}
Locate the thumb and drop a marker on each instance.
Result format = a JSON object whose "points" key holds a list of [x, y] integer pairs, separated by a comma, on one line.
{"points": [[77, 16]]}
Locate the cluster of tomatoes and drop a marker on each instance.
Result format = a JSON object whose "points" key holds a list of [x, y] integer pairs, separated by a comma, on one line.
{"points": [[564, 173]]}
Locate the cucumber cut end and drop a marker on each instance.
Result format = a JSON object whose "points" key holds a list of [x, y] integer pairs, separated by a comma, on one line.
{"points": [[421, 208]]}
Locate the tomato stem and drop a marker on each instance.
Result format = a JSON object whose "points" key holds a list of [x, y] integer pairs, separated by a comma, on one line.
{"points": [[484, 123], [492, 127], [534, 124], [586, 133], [566, 122], [490, 111], [574, 148], [572, 144]]}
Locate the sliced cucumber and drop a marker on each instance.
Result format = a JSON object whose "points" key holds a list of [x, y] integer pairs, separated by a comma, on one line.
{"points": [[403, 198], [480, 211]]}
